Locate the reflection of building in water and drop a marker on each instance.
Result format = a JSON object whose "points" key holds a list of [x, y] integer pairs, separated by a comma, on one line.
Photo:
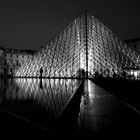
{"points": [[54, 95], [11, 59]]}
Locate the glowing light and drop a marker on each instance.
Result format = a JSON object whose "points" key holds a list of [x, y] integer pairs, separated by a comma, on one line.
{"points": [[135, 73]]}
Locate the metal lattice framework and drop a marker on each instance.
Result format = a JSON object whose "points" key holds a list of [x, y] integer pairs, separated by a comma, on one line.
{"points": [[84, 44]]}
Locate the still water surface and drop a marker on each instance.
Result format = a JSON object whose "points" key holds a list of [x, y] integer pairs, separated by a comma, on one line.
{"points": [[42, 103]]}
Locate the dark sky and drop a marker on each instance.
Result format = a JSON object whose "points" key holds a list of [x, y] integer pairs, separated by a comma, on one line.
{"points": [[29, 24]]}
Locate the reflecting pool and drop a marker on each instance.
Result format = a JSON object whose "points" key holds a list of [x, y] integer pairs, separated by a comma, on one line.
{"points": [[58, 105]]}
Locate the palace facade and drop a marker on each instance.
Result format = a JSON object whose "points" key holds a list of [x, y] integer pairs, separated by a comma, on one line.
{"points": [[11, 59]]}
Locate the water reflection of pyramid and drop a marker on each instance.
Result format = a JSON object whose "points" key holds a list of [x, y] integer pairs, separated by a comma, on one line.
{"points": [[84, 44]]}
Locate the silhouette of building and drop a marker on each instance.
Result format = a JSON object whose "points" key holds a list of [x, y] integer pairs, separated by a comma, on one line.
{"points": [[134, 44], [11, 59]]}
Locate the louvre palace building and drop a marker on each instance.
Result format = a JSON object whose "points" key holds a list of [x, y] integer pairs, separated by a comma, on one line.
{"points": [[11, 59]]}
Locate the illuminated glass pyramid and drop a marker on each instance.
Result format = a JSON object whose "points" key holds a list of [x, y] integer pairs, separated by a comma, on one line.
{"points": [[85, 44]]}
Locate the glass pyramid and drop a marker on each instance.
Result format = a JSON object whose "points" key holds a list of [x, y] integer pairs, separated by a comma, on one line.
{"points": [[84, 45]]}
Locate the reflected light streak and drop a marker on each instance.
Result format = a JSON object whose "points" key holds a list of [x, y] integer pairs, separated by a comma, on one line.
{"points": [[91, 90]]}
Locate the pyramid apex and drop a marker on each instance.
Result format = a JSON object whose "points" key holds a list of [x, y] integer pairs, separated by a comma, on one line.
{"points": [[85, 10]]}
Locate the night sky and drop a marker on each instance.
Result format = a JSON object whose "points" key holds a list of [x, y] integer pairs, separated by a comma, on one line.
{"points": [[28, 25]]}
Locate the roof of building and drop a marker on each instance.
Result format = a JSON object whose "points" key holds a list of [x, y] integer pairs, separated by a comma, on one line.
{"points": [[26, 51], [132, 40]]}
